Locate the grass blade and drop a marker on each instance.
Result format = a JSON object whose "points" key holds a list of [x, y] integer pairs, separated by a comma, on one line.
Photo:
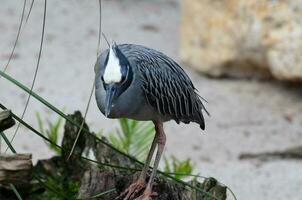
{"points": [[9, 145], [56, 110], [30, 127], [30, 9], [36, 72], [50, 188], [87, 107], [109, 165], [15, 191], [103, 193], [83, 122], [14, 151], [17, 37], [100, 29]]}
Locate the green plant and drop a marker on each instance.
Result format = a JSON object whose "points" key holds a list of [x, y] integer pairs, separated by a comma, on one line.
{"points": [[133, 137], [44, 101], [56, 189], [60, 113], [177, 168], [51, 133]]}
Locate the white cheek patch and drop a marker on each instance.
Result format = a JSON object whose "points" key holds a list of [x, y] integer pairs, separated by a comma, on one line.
{"points": [[112, 72]]}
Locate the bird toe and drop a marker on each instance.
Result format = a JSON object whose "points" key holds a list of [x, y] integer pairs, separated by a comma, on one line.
{"points": [[147, 195], [132, 190]]}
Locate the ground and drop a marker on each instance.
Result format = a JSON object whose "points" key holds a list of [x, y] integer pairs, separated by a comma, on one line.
{"points": [[246, 115]]}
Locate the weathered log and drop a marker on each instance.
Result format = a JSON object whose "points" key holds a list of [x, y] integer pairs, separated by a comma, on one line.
{"points": [[97, 180], [105, 175], [15, 169], [6, 120]]}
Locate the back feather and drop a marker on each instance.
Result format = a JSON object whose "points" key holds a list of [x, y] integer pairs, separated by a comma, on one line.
{"points": [[166, 86]]}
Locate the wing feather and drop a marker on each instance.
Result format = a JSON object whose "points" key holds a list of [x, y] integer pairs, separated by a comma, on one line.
{"points": [[166, 86]]}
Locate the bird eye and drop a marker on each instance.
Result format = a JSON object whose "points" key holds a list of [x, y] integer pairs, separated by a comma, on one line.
{"points": [[124, 77]]}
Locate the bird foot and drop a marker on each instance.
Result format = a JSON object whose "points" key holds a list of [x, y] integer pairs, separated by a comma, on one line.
{"points": [[147, 195], [132, 190]]}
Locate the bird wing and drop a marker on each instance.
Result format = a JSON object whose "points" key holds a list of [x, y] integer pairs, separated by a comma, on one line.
{"points": [[167, 87]]}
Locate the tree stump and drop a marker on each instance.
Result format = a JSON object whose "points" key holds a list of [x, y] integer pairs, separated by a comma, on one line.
{"points": [[104, 178], [6, 120], [15, 169]]}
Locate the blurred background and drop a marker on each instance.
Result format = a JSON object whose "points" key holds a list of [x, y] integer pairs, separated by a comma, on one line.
{"points": [[244, 57]]}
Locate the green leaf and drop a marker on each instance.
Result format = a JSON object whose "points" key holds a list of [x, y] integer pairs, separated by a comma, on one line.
{"points": [[7, 142], [40, 124], [15, 191], [52, 133], [178, 168], [133, 137]]}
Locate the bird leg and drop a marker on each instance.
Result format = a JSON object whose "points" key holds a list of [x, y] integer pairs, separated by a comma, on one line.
{"points": [[149, 157], [161, 141], [140, 183]]}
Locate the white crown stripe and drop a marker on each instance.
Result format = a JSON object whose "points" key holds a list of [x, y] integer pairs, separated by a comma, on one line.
{"points": [[112, 72]]}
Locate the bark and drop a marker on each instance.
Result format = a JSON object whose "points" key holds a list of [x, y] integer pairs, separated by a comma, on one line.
{"points": [[15, 169], [6, 120], [106, 175], [97, 179]]}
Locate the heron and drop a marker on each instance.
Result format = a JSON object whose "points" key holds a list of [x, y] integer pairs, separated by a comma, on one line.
{"points": [[136, 82]]}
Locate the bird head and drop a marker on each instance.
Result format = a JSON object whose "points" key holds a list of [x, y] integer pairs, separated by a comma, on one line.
{"points": [[116, 76]]}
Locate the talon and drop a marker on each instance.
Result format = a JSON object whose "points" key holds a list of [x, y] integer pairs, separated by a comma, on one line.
{"points": [[132, 190], [154, 194], [147, 195]]}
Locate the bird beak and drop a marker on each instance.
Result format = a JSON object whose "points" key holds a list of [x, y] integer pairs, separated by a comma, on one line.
{"points": [[110, 93]]}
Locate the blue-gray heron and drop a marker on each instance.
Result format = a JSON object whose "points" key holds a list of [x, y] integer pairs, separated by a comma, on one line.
{"points": [[136, 82]]}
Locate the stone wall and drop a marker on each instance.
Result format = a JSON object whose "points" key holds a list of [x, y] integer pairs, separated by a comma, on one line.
{"points": [[243, 38]]}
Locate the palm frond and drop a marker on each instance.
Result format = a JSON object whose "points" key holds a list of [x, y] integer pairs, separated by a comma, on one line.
{"points": [[133, 137], [175, 167], [52, 133]]}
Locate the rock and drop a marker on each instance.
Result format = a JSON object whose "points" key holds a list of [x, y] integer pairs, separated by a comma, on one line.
{"points": [[243, 38]]}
